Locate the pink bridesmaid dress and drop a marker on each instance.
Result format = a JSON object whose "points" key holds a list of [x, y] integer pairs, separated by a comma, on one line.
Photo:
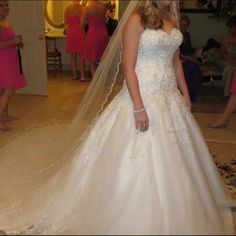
{"points": [[74, 36], [96, 39], [10, 76]]}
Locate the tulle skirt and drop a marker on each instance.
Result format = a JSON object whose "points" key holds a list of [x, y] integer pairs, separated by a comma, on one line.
{"points": [[123, 181]]}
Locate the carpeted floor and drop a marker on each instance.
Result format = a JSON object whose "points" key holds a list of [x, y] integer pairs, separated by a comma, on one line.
{"points": [[225, 162], [228, 172], [210, 100]]}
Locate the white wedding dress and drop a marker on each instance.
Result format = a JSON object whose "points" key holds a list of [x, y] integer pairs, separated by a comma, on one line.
{"points": [[123, 181]]}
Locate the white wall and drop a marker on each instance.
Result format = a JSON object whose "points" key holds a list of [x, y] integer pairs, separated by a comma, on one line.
{"points": [[202, 28]]}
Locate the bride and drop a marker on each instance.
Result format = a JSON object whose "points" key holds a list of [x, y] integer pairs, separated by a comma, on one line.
{"points": [[142, 166]]}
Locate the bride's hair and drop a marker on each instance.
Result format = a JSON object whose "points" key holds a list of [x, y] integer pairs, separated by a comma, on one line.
{"points": [[150, 14]]}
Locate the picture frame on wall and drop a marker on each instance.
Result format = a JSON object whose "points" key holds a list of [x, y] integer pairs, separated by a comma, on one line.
{"points": [[200, 6]]}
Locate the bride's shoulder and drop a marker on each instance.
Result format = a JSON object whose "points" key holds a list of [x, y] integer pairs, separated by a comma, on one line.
{"points": [[134, 21], [134, 18]]}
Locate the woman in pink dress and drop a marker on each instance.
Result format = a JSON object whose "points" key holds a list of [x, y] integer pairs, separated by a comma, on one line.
{"points": [[74, 36], [97, 36], [10, 72]]}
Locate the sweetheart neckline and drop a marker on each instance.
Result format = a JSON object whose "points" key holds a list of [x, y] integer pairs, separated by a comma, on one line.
{"points": [[169, 33]]}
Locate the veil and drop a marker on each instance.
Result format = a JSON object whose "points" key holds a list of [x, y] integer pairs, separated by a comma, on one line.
{"points": [[27, 184]]}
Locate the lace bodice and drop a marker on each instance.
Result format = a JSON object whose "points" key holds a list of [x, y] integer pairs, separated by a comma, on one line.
{"points": [[154, 61]]}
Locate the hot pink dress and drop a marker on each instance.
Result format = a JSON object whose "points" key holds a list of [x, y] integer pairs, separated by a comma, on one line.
{"points": [[233, 86], [74, 36], [96, 39], [10, 76]]}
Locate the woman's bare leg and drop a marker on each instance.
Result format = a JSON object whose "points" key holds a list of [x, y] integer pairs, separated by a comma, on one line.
{"points": [[74, 65], [4, 100], [8, 117], [82, 66], [93, 67]]}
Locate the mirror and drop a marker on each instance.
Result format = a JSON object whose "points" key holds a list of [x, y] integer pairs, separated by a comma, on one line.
{"points": [[54, 12], [200, 6]]}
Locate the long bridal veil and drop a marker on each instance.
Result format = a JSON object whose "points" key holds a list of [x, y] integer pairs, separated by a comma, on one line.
{"points": [[35, 165]]}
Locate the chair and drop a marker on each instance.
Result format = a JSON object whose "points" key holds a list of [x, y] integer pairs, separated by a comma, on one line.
{"points": [[53, 55]]}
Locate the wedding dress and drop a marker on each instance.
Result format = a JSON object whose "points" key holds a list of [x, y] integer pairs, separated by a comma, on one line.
{"points": [[123, 181]]}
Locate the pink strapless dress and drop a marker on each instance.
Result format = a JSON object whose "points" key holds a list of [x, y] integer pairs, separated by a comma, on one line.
{"points": [[10, 76], [74, 36], [96, 39], [233, 86]]}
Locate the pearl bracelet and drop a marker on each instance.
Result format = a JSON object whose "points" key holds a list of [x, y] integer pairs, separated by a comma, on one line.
{"points": [[138, 111]]}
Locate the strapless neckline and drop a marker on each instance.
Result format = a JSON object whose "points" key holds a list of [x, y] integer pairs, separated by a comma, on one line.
{"points": [[169, 33]]}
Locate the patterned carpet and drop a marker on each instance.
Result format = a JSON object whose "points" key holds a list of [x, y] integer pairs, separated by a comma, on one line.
{"points": [[224, 155], [228, 172]]}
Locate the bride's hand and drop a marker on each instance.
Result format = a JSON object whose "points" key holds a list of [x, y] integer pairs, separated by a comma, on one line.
{"points": [[188, 101], [141, 121]]}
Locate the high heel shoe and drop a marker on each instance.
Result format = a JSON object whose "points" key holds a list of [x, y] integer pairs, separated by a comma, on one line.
{"points": [[85, 79], [75, 77], [10, 118], [5, 129], [2, 232], [218, 126]]}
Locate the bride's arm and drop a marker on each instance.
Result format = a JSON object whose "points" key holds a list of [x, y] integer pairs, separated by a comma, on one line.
{"points": [[181, 78], [131, 37]]}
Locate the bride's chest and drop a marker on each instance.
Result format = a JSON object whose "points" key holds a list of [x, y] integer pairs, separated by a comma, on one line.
{"points": [[159, 41]]}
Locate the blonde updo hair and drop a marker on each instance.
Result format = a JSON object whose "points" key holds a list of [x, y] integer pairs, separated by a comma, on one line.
{"points": [[150, 14]]}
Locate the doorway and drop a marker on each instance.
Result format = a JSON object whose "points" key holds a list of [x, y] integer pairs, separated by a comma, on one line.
{"points": [[27, 19]]}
